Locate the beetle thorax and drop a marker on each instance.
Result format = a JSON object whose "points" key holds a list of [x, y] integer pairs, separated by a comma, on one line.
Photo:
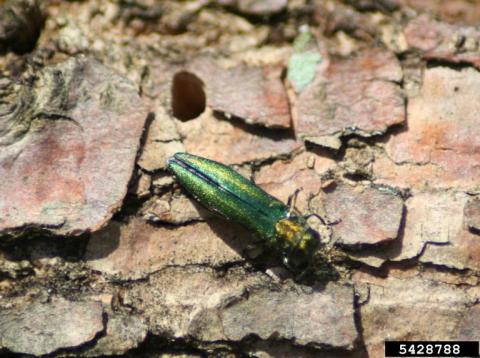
{"points": [[299, 242], [289, 231]]}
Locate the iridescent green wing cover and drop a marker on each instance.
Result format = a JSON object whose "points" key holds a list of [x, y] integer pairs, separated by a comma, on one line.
{"points": [[221, 189]]}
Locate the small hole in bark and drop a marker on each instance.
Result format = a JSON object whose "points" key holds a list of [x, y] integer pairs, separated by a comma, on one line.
{"points": [[188, 96]]}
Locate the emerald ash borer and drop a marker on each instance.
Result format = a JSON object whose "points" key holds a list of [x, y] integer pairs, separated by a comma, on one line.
{"points": [[222, 190]]}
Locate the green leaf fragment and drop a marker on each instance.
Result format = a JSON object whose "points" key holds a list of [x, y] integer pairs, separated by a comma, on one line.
{"points": [[303, 63], [302, 68]]}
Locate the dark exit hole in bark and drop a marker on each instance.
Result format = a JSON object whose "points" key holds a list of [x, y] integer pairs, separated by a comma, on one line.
{"points": [[188, 96]]}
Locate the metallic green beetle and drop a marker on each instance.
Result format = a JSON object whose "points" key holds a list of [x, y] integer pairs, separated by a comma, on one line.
{"points": [[224, 191]]}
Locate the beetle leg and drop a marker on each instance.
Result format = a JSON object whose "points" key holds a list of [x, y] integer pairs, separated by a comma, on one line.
{"points": [[302, 274], [255, 249], [292, 199]]}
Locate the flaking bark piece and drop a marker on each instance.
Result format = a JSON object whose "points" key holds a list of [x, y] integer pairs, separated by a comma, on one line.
{"points": [[363, 215], [254, 94], [434, 232], [463, 249], [68, 148], [457, 11], [176, 209], [437, 40], [321, 318], [43, 328], [401, 308], [134, 250], [353, 95], [123, 333], [441, 147]]}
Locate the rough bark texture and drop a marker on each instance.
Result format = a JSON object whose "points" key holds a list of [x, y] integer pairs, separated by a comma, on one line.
{"points": [[371, 107]]}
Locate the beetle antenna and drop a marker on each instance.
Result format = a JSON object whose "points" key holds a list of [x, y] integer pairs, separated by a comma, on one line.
{"points": [[324, 222]]}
